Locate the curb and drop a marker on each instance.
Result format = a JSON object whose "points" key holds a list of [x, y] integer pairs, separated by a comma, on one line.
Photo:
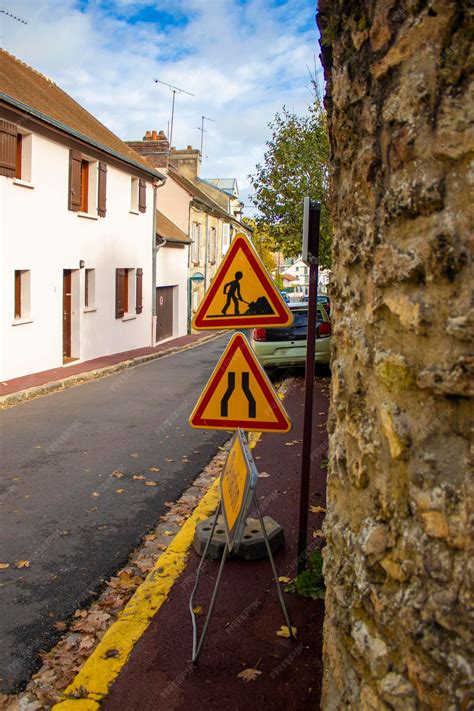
{"points": [[21, 396], [92, 683]]}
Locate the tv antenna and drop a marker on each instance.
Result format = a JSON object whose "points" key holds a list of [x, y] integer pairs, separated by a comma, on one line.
{"points": [[203, 131], [13, 17], [175, 90]]}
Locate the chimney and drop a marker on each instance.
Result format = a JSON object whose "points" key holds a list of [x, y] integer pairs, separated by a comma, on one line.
{"points": [[154, 147], [186, 161]]}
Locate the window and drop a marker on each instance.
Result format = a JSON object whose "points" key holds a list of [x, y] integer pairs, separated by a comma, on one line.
{"points": [[84, 187], [134, 195], [212, 245], [15, 152], [128, 292], [225, 237], [195, 247], [89, 293], [87, 185], [22, 294]]}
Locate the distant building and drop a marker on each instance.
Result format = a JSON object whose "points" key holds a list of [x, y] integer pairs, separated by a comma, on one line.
{"points": [[209, 216], [76, 226]]}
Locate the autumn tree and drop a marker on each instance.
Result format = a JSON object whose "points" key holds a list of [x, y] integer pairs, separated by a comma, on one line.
{"points": [[263, 242], [295, 166]]}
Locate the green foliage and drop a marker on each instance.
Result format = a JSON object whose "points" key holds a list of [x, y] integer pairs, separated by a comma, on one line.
{"points": [[295, 166], [263, 242], [310, 583]]}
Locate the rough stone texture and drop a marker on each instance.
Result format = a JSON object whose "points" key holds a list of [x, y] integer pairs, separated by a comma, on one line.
{"points": [[398, 563]]}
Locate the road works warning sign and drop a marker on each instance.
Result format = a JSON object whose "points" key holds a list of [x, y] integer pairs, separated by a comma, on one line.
{"points": [[242, 294], [237, 484], [239, 394]]}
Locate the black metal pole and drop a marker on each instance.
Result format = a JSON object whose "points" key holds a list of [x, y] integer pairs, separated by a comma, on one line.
{"points": [[312, 257]]}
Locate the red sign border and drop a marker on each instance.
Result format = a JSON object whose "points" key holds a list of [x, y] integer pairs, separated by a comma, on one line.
{"points": [[283, 317], [238, 341]]}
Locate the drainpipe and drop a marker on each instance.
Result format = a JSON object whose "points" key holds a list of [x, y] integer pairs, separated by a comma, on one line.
{"points": [[206, 254], [154, 251]]}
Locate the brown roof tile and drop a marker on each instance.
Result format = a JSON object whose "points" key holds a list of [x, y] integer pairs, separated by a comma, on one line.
{"points": [[171, 232], [47, 101]]}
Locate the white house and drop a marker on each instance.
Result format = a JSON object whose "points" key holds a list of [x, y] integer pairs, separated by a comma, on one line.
{"points": [[76, 230]]}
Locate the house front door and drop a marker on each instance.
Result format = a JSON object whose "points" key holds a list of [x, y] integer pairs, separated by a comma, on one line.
{"points": [[164, 312], [67, 313]]}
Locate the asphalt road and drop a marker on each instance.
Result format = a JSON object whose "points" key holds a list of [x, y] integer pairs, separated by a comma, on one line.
{"points": [[59, 506]]}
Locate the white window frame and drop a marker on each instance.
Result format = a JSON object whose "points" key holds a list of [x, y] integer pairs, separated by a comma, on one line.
{"points": [[25, 296], [134, 193]]}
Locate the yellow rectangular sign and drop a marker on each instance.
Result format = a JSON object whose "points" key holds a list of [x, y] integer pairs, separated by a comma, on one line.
{"points": [[237, 484]]}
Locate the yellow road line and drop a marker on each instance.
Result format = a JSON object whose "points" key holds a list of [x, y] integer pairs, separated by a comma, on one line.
{"points": [[105, 663], [93, 681]]}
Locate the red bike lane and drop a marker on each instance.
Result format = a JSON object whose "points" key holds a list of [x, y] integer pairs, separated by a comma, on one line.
{"points": [[242, 631]]}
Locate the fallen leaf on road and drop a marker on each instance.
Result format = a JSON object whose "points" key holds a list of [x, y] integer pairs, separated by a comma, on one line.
{"points": [[95, 493], [117, 474], [150, 537], [87, 643], [22, 564], [249, 674], [285, 632], [289, 444], [92, 510], [154, 469], [161, 546], [92, 623], [283, 579], [60, 626], [169, 533], [264, 475], [80, 613], [134, 455], [169, 460], [119, 491], [317, 509], [197, 610], [151, 483], [318, 534], [138, 477], [169, 504], [3, 566]]}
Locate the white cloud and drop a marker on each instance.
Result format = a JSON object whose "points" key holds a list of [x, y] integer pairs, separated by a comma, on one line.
{"points": [[243, 59]]}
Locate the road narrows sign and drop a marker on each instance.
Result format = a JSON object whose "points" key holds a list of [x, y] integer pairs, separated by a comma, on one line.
{"points": [[237, 484], [242, 294], [239, 395]]}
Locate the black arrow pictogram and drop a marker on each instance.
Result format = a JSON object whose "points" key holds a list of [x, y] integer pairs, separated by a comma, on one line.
{"points": [[246, 390]]}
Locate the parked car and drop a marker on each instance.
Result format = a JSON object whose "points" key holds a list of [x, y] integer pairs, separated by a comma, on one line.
{"points": [[283, 347], [286, 297]]}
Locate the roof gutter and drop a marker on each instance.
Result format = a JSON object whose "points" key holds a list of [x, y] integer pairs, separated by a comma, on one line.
{"points": [[76, 134]]}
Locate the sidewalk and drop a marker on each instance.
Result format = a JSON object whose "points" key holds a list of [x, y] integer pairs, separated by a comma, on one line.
{"points": [[30, 386], [242, 632]]}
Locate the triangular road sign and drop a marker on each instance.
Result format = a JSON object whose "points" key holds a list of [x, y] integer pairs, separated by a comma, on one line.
{"points": [[242, 294], [239, 394]]}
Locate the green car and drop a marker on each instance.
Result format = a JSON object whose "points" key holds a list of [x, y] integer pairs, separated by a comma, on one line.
{"points": [[283, 347]]}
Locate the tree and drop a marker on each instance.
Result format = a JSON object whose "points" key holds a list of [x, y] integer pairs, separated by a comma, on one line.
{"points": [[263, 242], [295, 166]]}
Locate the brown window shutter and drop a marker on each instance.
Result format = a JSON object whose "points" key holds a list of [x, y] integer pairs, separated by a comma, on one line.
{"points": [[119, 293], [102, 197], [142, 195], [8, 133], [74, 181], [139, 299]]}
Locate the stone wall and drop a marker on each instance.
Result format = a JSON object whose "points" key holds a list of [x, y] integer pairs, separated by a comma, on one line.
{"points": [[398, 628]]}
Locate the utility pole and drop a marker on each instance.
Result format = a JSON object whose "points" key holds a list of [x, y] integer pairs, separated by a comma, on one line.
{"points": [[175, 90]]}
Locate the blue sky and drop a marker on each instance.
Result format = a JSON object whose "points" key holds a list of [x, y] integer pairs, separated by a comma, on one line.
{"points": [[243, 59]]}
